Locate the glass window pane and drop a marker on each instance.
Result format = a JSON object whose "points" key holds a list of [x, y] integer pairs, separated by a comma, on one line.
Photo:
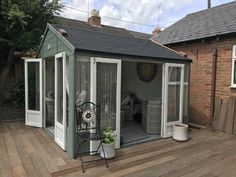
{"points": [[173, 102], [106, 94], [83, 80], [186, 73], [60, 90], [234, 72], [33, 86], [186, 91], [174, 93], [49, 91], [174, 74], [234, 51]]}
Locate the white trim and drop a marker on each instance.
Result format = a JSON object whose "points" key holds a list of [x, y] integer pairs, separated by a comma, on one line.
{"points": [[163, 102], [33, 60], [181, 95], [44, 93], [233, 85], [93, 94], [26, 89], [93, 87], [60, 138], [166, 84], [33, 117]]}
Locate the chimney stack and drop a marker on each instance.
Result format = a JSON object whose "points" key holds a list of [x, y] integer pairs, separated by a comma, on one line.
{"points": [[156, 31], [209, 4], [94, 19]]}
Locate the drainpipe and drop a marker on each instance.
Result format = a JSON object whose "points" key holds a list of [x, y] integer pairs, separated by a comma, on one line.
{"points": [[209, 4], [213, 84]]}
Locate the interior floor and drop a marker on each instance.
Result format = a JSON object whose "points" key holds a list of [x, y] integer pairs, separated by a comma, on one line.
{"points": [[134, 133], [51, 129], [141, 102]]}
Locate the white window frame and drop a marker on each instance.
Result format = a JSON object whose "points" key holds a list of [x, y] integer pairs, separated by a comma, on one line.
{"points": [[233, 85]]}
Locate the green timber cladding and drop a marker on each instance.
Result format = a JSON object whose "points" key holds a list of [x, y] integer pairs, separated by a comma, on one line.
{"points": [[54, 43], [51, 45]]}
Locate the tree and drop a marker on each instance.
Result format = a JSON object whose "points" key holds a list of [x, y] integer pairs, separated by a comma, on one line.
{"points": [[22, 23]]}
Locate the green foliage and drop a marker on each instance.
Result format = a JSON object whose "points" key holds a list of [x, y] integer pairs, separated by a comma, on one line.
{"points": [[18, 93], [109, 137], [22, 22]]}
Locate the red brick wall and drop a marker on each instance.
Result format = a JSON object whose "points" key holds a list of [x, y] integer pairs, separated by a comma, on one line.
{"points": [[201, 73]]}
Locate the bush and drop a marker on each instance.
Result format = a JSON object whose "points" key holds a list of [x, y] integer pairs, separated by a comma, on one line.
{"points": [[18, 93]]}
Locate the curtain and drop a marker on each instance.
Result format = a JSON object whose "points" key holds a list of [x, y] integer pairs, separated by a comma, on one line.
{"points": [[83, 80], [174, 93], [106, 93]]}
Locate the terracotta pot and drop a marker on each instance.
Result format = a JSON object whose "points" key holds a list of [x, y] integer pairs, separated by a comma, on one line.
{"points": [[109, 150], [180, 132]]}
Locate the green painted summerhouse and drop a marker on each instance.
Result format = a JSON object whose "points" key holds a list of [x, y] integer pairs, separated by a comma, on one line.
{"points": [[141, 86]]}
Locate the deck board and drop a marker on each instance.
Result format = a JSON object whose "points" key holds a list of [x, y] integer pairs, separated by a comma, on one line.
{"points": [[27, 152]]}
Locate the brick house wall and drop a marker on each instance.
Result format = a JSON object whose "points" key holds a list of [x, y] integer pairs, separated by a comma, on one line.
{"points": [[201, 75]]}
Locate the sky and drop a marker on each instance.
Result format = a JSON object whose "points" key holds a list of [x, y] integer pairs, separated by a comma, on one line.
{"points": [[143, 12]]}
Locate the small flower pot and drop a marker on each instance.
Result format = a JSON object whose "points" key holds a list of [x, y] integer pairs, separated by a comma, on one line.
{"points": [[180, 132], [109, 150]]}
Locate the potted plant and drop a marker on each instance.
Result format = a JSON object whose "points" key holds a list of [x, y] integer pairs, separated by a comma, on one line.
{"points": [[108, 144]]}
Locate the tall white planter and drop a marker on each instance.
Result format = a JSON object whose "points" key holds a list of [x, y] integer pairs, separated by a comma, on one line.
{"points": [[109, 150], [180, 132]]}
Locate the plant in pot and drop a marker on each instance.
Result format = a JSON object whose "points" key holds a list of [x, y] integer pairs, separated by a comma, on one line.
{"points": [[108, 144]]}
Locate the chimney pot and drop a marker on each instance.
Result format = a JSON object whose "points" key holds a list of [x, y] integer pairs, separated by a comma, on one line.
{"points": [[156, 31], [209, 4], [94, 19]]}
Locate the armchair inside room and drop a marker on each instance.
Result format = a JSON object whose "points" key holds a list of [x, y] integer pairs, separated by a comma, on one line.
{"points": [[80, 97], [127, 107]]}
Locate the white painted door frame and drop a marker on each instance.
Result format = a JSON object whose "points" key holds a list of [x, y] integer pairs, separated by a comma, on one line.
{"points": [[60, 128], [33, 117], [167, 127], [93, 90], [44, 92]]}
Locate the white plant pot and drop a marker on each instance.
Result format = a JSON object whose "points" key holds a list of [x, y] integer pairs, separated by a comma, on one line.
{"points": [[109, 150], [180, 132]]}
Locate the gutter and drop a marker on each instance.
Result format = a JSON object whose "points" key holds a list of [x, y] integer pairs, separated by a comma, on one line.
{"points": [[178, 53]]}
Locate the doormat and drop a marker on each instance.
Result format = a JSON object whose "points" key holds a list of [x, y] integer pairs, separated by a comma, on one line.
{"points": [[130, 136]]}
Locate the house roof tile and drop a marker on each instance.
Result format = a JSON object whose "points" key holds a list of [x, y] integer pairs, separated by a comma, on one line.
{"points": [[114, 40], [211, 22]]}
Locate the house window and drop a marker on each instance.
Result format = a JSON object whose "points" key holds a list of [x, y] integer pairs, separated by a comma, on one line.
{"points": [[233, 80]]}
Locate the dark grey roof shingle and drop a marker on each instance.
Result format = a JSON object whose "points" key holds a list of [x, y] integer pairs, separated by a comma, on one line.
{"points": [[211, 22], [102, 41], [72, 23]]}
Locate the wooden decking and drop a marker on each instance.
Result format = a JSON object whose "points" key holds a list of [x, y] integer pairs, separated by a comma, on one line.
{"points": [[31, 152]]}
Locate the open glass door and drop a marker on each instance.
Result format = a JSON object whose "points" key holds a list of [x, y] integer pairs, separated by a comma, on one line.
{"points": [[33, 92], [105, 92], [60, 99], [173, 97]]}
